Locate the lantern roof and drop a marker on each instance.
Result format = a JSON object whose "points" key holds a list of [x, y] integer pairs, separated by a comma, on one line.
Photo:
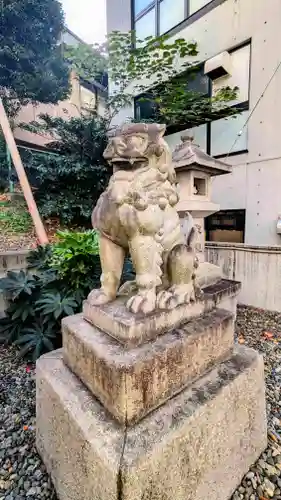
{"points": [[188, 156]]}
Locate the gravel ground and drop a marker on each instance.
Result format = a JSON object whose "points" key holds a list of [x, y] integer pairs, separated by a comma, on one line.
{"points": [[22, 475]]}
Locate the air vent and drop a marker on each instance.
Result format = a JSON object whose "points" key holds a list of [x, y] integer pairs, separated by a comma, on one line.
{"points": [[218, 66]]}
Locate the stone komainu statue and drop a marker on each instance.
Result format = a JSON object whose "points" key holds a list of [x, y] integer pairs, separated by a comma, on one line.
{"points": [[137, 214]]}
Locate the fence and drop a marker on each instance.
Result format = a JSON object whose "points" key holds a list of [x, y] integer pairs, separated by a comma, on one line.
{"points": [[257, 267]]}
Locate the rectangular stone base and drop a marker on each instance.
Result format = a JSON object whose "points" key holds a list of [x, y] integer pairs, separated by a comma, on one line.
{"points": [[135, 329], [131, 383], [197, 446]]}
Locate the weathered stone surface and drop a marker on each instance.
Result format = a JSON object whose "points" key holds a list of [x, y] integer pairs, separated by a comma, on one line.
{"points": [[195, 447], [132, 383], [137, 214], [134, 329], [202, 442], [79, 444]]}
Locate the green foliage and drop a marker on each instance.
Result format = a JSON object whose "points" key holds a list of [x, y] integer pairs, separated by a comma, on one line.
{"points": [[24, 325], [170, 66], [17, 284], [78, 171], [37, 339], [39, 258], [76, 259], [58, 279], [88, 61], [31, 61], [54, 303], [14, 218]]}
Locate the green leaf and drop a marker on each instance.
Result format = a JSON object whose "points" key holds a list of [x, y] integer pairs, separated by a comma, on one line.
{"points": [[26, 349], [28, 337], [38, 350], [48, 344]]}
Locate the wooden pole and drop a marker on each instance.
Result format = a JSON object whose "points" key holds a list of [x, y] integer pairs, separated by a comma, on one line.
{"points": [[32, 207]]}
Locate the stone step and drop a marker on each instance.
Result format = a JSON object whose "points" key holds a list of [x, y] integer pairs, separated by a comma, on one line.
{"points": [[197, 446], [135, 329], [131, 383]]}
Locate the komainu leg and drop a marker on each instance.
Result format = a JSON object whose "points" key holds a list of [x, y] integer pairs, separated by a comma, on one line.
{"points": [[146, 255], [181, 267], [112, 260]]}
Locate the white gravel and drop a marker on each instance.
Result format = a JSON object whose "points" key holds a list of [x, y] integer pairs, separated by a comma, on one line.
{"points": [[22, 474]]}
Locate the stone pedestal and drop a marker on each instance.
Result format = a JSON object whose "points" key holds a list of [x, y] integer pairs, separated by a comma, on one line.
{"points": [[175, 413]]}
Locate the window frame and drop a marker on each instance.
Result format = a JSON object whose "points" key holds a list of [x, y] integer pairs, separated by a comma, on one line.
{"points": [[155, 4], [175, 128], [241, 106], [239, 214]]}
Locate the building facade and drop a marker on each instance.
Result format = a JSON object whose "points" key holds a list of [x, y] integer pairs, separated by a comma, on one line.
{"points": [[239, 45], [84, 96]]}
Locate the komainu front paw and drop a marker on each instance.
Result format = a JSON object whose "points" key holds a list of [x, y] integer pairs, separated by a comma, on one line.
{"points": [[175, 296], [143, 302], [99, 297]]}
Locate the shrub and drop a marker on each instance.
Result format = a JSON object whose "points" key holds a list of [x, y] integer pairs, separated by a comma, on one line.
{"points": [[76, 166], [76, 259], [58, 279]]}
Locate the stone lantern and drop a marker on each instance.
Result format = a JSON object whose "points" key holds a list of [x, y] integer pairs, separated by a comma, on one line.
{"points": [[194, 170]]}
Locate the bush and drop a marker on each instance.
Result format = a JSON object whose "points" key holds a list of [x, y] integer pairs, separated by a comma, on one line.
{"points": [[76, 166], [57, 280]]}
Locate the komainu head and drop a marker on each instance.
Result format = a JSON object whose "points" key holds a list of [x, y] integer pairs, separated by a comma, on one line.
{"points": [[135, 143]]}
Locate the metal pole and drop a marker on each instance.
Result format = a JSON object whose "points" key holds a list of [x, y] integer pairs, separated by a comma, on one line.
{"points": [[9, 162], [32, 207]]}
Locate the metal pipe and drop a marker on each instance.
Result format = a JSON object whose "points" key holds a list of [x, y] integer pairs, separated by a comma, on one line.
{"points": [[11, 184]]}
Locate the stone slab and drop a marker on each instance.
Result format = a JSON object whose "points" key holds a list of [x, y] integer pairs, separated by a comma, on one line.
{"points": [[132, 383], [81, 447], [197, 446], [135, 329]]}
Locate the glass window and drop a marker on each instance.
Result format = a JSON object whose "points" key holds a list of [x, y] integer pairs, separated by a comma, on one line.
{"points": [[172, 12], [145, 108], [198, 81], [225, 131], [141, 5], [195, 5], [145, 26], [240, 75], [226, 226]]}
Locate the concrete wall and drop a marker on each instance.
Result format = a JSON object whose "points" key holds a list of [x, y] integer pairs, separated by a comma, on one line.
{"points": [[80, 98], [258, 268], [11, 261], [31, 112], [254, 184]]}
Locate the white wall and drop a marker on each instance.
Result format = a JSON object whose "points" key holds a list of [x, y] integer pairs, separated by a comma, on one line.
{"points": [[257, 268], [254, 184]]}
